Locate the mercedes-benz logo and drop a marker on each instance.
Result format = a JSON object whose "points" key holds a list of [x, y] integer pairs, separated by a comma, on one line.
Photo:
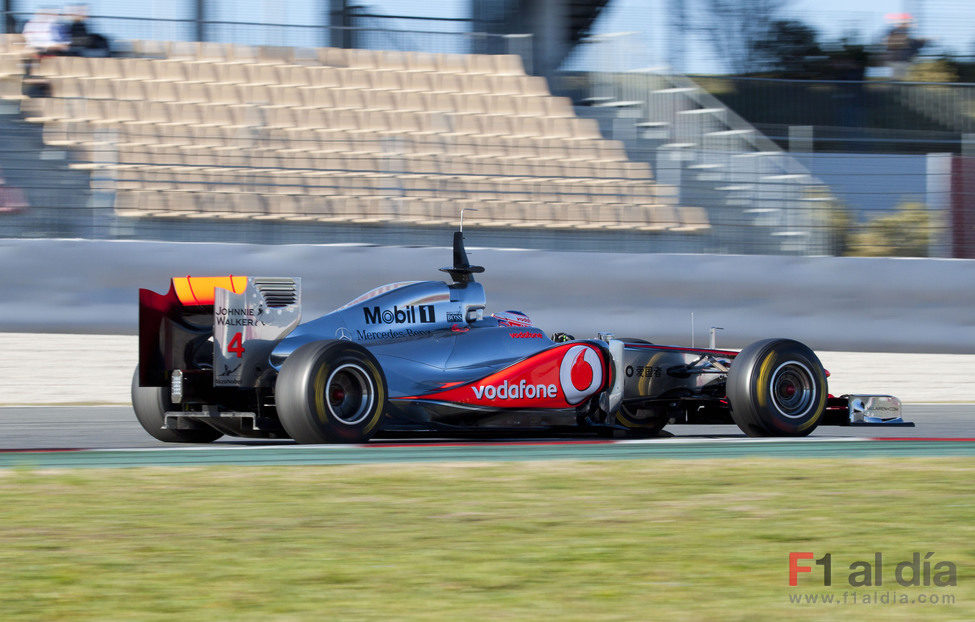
{"points": [[344, 333]]}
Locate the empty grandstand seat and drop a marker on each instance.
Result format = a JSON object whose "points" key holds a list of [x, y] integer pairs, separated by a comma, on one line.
{"points": [[692, 220], [508, 65], [391, 60], [662, 218], [450, 63], [365, 136], [12, 42], [183, 50], [214, 52], [11, 64], [421, 62], [148, 48]]}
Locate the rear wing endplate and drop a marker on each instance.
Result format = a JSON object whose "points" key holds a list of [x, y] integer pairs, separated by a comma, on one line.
{"points": [[229, 324]]}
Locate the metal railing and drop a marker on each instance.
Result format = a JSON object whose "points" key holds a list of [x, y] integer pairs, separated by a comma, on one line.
{"points": [[434, 36], [932, 107], [714, 156]]}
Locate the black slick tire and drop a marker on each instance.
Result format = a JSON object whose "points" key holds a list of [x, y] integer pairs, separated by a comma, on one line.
{"points": [[777, 387], [331, 392]]}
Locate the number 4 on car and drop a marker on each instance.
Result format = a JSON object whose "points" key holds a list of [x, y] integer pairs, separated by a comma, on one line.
{"points": [[236, 345]]}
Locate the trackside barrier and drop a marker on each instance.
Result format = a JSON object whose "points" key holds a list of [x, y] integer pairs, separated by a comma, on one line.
{"points": [[871, 304]]}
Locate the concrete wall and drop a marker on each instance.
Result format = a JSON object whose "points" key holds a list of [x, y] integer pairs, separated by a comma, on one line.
{"points": [[895, 305], [97, 369]]}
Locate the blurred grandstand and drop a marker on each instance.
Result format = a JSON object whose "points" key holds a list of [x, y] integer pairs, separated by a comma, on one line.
{"points": [[194, 140], [192, 131]]}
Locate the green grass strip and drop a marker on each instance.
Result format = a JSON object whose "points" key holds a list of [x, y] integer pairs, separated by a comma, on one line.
{"points": [[568, 540]]}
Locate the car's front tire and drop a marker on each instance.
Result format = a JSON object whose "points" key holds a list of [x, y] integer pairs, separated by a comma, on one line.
{"points": [[150, 405], [777, 387], [331, 392]]}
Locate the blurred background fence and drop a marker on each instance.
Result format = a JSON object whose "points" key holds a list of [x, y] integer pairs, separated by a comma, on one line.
{"points": [[381, 128], [358, 28]]}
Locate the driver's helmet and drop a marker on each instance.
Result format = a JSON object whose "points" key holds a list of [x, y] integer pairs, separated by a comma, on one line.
{"points": [[512, 318]]}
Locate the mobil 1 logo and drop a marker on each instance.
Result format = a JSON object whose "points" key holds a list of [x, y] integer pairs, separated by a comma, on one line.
{"points": [[410, 314]]}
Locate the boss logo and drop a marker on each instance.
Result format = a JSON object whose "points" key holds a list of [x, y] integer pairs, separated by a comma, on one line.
{"points": [[411, 314]]}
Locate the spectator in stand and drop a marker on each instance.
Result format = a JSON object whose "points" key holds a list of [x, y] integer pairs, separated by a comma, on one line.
{"points": [[902, 48], [84, 42], [44, 35]]}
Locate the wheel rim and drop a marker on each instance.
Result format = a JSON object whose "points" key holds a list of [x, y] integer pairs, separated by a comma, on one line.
{"points": [[349, 394], [792, 390]]}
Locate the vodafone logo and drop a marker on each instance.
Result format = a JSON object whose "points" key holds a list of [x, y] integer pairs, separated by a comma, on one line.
{"points": [[514, 391], [557, 377], [580, 373]]}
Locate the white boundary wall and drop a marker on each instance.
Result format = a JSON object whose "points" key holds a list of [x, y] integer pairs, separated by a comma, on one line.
{"points": [[97, 369], [852, 304]]}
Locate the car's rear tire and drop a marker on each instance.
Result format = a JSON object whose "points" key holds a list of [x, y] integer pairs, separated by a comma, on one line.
{"points": [[331, 392], [150, 405], [777, 387]]}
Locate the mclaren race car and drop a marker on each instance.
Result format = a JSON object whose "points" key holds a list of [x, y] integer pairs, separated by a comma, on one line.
{"points": [[229, 355]]}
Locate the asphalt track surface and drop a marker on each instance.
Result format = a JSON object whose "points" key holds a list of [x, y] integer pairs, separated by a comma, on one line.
{"points": [[109, 436]]}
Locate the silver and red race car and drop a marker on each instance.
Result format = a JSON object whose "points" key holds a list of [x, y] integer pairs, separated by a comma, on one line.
{"points": [[228, 355]]}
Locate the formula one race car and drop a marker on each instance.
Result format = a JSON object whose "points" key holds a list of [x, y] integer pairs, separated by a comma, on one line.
{"points": [[227, 355]]}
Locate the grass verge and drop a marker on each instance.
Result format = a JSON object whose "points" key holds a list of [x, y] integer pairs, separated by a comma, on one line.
{"points": [[627, 540]]}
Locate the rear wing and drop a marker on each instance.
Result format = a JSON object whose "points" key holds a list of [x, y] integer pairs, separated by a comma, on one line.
{"points": [[225, 325]]}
